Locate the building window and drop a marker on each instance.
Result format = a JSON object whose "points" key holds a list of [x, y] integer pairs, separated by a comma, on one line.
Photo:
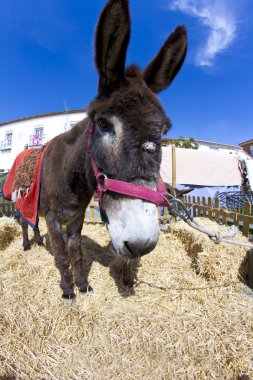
{"points": [[38, 137], [8, 138], [251, 150], [7, 142], [38, 132]]}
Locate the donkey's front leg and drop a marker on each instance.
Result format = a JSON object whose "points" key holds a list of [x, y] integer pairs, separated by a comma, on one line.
{"points": [[61, 256], [79, 267]]}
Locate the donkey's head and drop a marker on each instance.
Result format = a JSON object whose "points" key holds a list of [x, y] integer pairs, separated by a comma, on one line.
{"points": [[129, 122]]}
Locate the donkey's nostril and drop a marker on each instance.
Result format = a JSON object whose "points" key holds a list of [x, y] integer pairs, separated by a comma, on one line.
{"points": [[139, 248], [128, 248]]}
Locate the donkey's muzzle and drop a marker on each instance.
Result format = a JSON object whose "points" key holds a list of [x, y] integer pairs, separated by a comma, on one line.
{"points": [[133, 226], [134, 249]]}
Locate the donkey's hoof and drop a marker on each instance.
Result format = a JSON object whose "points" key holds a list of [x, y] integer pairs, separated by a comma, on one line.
{"points": [[69, 299], [69, 302], [40, 243], [68, 295], [127, 290], [86, 289], [27, 247]]}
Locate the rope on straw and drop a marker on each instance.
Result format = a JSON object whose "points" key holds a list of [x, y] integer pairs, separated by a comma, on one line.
{"points": [[215, 236]]}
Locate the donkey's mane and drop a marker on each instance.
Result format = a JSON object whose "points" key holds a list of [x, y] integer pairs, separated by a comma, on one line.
{"points": [[133, 71]]}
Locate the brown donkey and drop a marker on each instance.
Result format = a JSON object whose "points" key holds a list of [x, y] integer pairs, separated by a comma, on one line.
{"points": [[127, 125]]}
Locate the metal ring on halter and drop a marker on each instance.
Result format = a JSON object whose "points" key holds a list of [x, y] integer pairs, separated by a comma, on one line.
{"points": [[103, 177], [185, 215]]}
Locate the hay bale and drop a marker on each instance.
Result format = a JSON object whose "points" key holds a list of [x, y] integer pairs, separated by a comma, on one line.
{"points": [[9, 229], [221, 263], [176, 324]]}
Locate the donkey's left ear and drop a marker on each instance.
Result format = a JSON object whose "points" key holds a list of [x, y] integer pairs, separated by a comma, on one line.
{"points": [[165, 66]]}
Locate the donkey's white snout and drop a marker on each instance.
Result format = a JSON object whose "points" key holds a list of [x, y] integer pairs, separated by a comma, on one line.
{"points": [[133, 226]]}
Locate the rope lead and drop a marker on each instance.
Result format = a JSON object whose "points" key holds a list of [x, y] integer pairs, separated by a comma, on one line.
{"points": [[183, 213]]}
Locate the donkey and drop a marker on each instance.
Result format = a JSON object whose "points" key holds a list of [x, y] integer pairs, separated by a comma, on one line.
{"points": [[123, 133]]}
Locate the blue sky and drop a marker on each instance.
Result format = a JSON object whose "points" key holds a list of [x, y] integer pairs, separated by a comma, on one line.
{"points": [[47, 60]]}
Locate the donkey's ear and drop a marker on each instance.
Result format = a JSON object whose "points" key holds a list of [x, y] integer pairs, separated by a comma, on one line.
{"points": [[112, 37], [165, 66], [183, 192]]}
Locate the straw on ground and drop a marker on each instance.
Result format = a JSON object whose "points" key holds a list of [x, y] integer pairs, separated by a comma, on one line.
{"points": [[188, 317]]}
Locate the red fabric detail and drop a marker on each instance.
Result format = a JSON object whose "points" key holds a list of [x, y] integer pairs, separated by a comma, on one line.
{"points": [[27, 206], [7, 187]]}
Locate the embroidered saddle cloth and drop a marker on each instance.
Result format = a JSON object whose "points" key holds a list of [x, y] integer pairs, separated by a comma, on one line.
{"points": [[22, 184]]}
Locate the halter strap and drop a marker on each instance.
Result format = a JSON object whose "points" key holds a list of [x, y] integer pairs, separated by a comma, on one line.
{"points": [[130, 189]]}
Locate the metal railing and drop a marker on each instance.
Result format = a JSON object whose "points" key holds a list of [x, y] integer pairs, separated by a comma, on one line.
{"points": [[235, 200], [5, 144]]}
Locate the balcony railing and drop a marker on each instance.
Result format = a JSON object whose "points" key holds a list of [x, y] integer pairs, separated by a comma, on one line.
{"points": [[5, 145], [35, 140]]}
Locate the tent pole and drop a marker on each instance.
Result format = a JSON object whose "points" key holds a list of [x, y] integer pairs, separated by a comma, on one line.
{"points": [[174, 178]]}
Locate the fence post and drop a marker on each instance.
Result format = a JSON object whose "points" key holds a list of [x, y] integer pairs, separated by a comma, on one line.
{"points": [[217, 211], [210, 205], [194, 209], [224, 216], [247, 211], [7, 208], [203, 203]]}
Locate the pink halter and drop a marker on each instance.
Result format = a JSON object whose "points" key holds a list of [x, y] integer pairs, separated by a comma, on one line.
{"points": [[105, 184]]}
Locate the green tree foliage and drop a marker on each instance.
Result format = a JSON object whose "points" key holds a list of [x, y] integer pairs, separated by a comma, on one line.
{"points": [[181, 142]]}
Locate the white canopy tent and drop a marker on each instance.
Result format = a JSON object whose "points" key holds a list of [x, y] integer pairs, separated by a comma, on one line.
{"points": [[249, 165], [205, 171]]}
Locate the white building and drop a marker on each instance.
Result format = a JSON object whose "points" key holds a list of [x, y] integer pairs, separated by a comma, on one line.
{"points": [[33, 131]]}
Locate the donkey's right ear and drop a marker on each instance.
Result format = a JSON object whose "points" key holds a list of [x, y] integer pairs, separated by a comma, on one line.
{"points": [[112, 38]]}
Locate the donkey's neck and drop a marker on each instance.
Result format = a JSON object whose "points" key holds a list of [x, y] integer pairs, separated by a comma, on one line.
{"points": [[78, 166]]}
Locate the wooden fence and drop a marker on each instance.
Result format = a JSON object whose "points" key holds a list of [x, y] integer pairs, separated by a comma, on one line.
{"points": [[92, 214], [199, 207], [7, 208], [211, 209]]}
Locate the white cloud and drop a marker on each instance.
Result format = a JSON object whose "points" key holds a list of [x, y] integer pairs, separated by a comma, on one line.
{"points": [[218, 16]]}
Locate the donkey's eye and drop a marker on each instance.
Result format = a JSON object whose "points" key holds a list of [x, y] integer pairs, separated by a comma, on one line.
{"points": [[104, 125]]}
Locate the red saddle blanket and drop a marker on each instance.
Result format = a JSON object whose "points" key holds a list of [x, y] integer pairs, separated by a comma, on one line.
{"points": [[24, 178]]}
